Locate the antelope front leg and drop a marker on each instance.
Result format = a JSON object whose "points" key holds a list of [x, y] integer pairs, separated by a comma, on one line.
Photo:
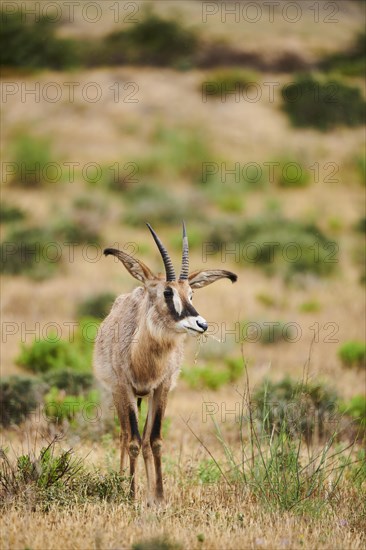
{"points": [[147, 452], [159, 405], [126, 406]]}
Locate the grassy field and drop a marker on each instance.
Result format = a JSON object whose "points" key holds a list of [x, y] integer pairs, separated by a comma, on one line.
{"points": [[279, 463]]}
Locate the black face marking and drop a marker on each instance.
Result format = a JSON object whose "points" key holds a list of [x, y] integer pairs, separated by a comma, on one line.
{"points": [[187, 308]]}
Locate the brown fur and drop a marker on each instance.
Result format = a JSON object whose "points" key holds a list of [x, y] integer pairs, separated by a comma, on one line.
{"points": [[138, 352]]}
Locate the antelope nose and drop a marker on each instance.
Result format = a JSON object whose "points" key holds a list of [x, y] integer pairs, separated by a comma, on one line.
{"points": [[203, 325]]}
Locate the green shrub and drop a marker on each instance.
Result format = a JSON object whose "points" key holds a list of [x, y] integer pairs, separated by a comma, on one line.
{"points": [[278, 245], [151, 41], [45, 355], [19, 396], [199, 378], [353, 354], [60, 406], [356, 409], [32, 156], [223, 82], [266, 299], [31, 251], [174, 152], [267, 332], [210, 377], [96, 306], [360, 165], [10, 213], [71, 381], [56, 478], [53, 353], [165, 209], [272, 463], [37, 251], [311, 306], [350, 62], [298, 409], [208, 472], [32, 44], [184, 150], [361, 225], [291, 173], [229, 203], [77, 229], [323, 104], [235, 368]]}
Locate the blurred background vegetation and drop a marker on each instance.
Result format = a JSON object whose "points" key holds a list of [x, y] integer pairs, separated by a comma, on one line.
{"points": [[253, 134]]}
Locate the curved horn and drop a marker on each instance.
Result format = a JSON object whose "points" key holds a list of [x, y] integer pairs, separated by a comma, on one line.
{"points": [[185, 256], [169, 269]]}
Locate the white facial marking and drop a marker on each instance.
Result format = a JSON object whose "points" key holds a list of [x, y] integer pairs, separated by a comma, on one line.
{"points": [[190, 325], [177, 302]]}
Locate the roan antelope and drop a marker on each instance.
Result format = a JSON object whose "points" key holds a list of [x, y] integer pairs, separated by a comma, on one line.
{"points": [[139, 349]]}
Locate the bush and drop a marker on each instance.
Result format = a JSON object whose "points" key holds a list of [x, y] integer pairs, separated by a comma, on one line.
{"points": [[279, 245], [323, 104], [45, 355], [199, 378], [151, 41], [77, 229], [360, 165], [29, 251], [174, 152], [267, 332], [56, 478], [71, 381], [356, 409], [224, 82], [312, 306], [295, 408], [10, 213], [97, 306], [353, 354], [361, 225], [32, 156], [32, 44], [19, 396], [60, 407], [291, 173], [208, 472], [165, 208], [36, 251], [283, 472], [348, 63]]}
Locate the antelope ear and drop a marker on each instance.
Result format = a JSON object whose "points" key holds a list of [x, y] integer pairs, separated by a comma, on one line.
{"points": [[199, 279], [137, 268]]}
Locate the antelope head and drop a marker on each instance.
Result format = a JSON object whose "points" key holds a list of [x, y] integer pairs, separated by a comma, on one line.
{"points": [[170, 299]]}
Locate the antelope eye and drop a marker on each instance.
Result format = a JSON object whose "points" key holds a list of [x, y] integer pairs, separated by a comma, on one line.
{"points": [[168, 292]]}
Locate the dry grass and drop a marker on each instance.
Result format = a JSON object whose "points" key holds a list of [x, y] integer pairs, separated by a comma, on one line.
{"points": [[217, 516], [221, 519]]}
